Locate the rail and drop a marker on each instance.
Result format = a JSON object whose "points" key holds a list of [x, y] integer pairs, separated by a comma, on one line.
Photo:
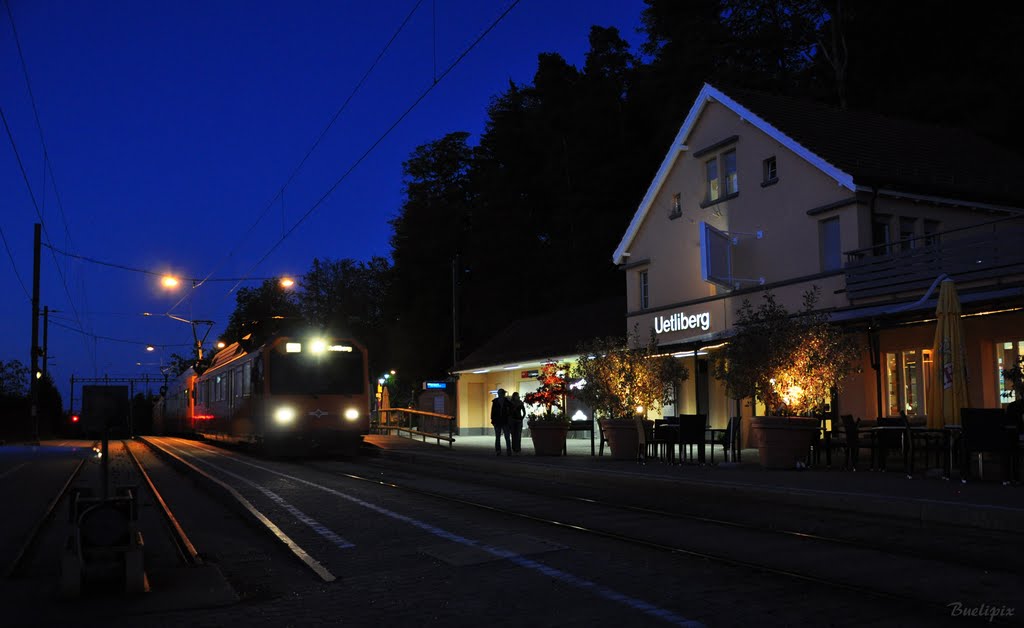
{"points": [[414, 423]]}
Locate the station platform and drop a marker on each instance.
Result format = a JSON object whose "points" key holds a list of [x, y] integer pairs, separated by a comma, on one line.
{"points": [[925, 497]]}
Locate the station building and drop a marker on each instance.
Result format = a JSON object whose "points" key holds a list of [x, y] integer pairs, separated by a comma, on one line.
{"points": [[762, 192]]}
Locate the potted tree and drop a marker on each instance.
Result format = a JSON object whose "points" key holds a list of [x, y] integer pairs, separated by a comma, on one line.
{"points": [[548, 423], [790, 363], [622, 379]]}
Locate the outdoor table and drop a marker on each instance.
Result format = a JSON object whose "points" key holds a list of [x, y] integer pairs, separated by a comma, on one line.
{"points": [[875, 432]]}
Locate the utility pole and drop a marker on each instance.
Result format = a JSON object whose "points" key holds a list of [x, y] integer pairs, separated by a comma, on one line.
{"points": [[46, 333], [455, 310], [33, 379]]}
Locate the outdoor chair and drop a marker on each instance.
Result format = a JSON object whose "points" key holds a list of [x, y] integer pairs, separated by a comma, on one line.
{"points": [[893, 433], [852, 439], [664, 438], [692, 432], [987, 430], [729, 439], [830, 439]]}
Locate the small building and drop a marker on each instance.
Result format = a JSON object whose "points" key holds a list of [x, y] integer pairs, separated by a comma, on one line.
{"points": [[512, 358], [759, 191]]}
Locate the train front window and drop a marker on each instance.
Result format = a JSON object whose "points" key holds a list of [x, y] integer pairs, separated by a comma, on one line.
{"points": [[329, 373]]}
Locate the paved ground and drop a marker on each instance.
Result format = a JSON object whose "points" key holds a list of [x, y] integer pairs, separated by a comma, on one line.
{"points": [[926, 497]]}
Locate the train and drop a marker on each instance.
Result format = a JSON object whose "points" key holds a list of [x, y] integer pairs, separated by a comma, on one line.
{"points": [[288, 396]]}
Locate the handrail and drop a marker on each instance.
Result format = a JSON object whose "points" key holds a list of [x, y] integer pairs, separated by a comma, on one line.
{"points": [[405, 424], [868, 251]]}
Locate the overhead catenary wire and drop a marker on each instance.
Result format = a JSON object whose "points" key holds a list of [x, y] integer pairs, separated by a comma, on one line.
{"points": [[47, 164], [121, 340], [309, 152], [383, 136]]}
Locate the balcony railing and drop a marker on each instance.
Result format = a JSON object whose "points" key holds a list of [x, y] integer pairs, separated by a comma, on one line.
{"points": [[991, 251]]}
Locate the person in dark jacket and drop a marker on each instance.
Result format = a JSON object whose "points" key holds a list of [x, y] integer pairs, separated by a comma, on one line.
{"points": [[515, 421], [501, 412]]}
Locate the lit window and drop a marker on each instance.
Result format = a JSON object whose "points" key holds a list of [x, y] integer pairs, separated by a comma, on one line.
{"points": [[721, 176], [906, 376], [714, 191], [732, 184]]}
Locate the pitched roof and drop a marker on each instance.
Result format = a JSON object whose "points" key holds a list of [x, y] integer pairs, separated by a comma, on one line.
{"points": [[553, 335], [860, 151]]}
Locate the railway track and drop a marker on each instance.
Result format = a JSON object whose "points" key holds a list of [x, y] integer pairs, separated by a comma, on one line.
{"points": [[926, 581]]}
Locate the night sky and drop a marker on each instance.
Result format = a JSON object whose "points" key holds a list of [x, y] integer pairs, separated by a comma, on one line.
{"points": [[171, 128]]}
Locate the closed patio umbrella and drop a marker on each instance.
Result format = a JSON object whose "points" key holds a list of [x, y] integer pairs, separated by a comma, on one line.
{"points": [[948, 385]]}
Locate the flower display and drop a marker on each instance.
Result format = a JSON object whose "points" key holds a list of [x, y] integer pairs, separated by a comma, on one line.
{"points": [[550, 397]]}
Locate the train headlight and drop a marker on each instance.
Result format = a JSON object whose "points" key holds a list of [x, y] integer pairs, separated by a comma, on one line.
{"points": [[351, 414], [284, 415], [318, 346]]}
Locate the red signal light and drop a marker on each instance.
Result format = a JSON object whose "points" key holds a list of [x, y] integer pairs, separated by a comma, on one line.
{"points": [[74, 418]]}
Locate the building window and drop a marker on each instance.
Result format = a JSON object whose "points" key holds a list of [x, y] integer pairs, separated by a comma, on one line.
{"points": [[931, 232], [881, 235], [1007, 354], [906, 376], [714, 191], [645, 301], [770, 172], [907, 233], [732, 184], [829, 245], [721, 176], [677, 206]]}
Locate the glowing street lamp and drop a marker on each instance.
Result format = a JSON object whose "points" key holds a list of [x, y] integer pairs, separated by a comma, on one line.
{"points": [[169, 281], [287, 282]]}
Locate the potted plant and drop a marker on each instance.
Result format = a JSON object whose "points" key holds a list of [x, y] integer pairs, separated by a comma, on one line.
{"points": [[548, 422], [622, 379], [790, 363]]}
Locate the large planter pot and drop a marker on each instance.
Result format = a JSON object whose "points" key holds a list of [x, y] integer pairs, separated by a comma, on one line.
{"points": [[548, 438], [622, 436], [781, 441]]}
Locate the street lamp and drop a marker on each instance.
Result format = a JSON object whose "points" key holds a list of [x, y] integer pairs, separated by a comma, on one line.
{"points": [[169, 281], [287, 282]]}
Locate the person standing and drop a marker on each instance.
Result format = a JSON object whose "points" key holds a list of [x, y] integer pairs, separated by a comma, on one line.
{"points": [[516, 421], [501, 413]]}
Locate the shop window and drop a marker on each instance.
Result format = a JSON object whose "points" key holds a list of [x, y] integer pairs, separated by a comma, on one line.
{"points": [[906, 376], [829, 245], [1007, 354]]}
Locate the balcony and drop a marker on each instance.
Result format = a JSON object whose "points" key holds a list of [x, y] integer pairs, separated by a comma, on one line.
{"points": [[986, 254]]}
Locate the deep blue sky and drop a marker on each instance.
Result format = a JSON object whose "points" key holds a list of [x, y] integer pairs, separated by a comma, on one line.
{"points": [[170, 126]]}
